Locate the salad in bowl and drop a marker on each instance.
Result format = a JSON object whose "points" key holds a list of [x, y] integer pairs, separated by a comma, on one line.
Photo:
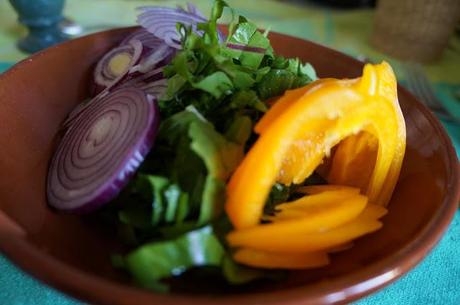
{"points": [[202, 149]]}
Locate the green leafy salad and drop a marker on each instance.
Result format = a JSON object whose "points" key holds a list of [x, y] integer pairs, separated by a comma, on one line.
{"points": [[215, 94]]}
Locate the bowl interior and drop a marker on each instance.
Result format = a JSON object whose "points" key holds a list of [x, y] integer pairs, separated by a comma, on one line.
{"points": [[36, 95]]}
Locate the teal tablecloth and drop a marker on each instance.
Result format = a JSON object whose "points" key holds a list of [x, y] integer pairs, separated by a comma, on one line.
{"points": [[435, 281]]}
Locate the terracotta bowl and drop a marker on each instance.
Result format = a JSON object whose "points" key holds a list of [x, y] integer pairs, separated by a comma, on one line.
{"points": [[72, 254]]}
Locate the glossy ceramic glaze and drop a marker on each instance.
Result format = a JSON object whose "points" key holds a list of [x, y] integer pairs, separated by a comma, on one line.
{"points": [[72, 254]]}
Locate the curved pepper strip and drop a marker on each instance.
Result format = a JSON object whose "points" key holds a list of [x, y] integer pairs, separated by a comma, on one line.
{"points": [[299, 136], [309, 242], [354, 161], [285, 243], [317, 218]]}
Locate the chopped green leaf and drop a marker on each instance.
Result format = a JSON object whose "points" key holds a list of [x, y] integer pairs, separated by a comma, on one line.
{"points": [[212, 201], [248, 38], [172, 194], [175, 85], [217, 84], [243, 80], [254, 59], [308, 70], [157, 186], [217, 10], [240, 130], [247, 99], [220, 155], [203, 161], [275, 83], [293, 65], [261, 73], [153, 262], [243, 33]]}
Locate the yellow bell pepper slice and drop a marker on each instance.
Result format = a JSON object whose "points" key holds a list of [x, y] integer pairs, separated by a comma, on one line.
{"points": [[372, 211], [308, 205], [319, 199], [315, 219], [285, 215], [354, 161], [312, 242], [273, 260], [283, 103], [296, 141]]}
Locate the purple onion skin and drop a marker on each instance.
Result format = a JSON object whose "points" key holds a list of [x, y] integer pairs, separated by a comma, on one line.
{"points": [[137, 78], [148, 40], [99, 77], [113, 190], [162, 21], [137, 49], [74, 114], [124, 167], [96, 88]]}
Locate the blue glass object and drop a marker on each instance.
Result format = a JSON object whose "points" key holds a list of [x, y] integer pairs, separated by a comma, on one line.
{"points": [[42, 18]]}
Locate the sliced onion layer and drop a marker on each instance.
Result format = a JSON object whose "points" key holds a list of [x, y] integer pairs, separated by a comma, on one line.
{"points": [[79, 108], [117, 63], [162, 21], [156, 88], [101, 150], [147, 39], [153, 82], [163, 53]]}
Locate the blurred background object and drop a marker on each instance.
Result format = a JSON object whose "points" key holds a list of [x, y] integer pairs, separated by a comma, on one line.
{"points": [[416, 30], [42, 18], [70, 28]]}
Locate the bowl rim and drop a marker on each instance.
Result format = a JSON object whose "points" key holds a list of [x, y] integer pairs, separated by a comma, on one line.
{"points": [[92, 288]]}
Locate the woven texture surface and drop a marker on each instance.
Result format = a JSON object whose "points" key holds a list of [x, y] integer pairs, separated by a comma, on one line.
{"points": [[417, 29]]}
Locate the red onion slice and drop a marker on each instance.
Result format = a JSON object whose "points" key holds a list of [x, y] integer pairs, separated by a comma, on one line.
{"points": [[74, 113], [82, 106], [128, 55], [162, 21], [147, 39], [101, 150], [151, 76], [156, 88], [151, 61]]}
